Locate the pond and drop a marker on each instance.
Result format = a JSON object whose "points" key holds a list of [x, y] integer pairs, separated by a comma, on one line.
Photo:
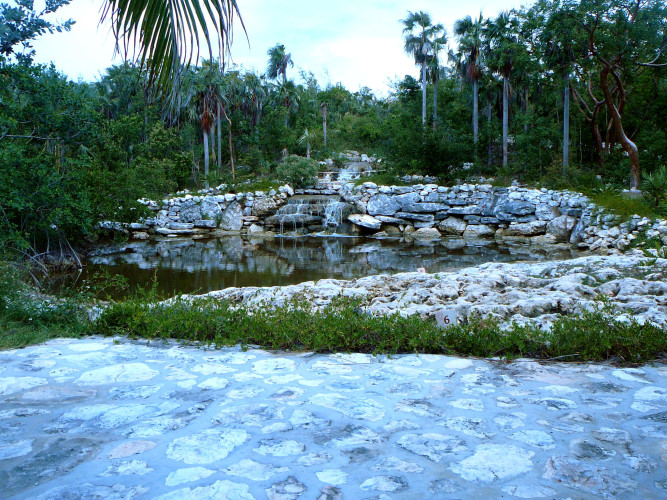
{"points": [[198, 266]]}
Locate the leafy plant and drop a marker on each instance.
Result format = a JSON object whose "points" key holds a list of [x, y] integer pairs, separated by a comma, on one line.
{"points": [[654, 187], [297, 171]]}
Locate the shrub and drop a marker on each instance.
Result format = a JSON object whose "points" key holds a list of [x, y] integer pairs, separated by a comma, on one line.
{"points": [[654, 187], [297, 171]]}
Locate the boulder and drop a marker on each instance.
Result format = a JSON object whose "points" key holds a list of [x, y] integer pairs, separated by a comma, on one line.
{"points": [[561, 227], [510, 210], [479, 231], [452, 225], [364, 220], [255, 230], [190, 211], [206, 224], [392, 231], [546, 212], [210, 208], [140, 235], [417, 217], [426, 233], [533, 228], [231, 217], [180, 225], [382, 204]]}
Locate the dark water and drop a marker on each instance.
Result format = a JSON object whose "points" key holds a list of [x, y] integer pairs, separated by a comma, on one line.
{"points": [[187, 266]]}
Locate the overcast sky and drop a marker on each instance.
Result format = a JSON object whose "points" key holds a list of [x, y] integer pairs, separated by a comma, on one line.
{"points": [[356, 42]]}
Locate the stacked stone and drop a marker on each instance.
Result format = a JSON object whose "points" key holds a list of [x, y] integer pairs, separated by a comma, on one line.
{"points": [[201, 215]]}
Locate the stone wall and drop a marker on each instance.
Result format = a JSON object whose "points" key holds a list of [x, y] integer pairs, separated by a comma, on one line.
{"points": [[482, 210], [201, 214], [425, 211]]}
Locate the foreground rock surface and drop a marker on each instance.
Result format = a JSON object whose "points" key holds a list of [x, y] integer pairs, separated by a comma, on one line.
{"points": [[105, 418], [633, 285]]}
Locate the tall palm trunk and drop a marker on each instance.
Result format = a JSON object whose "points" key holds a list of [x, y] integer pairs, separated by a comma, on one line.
{"points": [[488, 131], [324, 122], [219, 138], [435, 103], [229, 136], [506, 91], [424, 93], [475, 113], [206, 159], [566, 121]]}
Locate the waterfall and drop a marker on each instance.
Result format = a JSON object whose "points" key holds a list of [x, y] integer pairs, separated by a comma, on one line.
{"points": [[333, 213]]}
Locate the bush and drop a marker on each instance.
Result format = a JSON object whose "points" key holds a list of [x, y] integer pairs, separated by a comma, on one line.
{"points": [[297, 171], [654, 187]]}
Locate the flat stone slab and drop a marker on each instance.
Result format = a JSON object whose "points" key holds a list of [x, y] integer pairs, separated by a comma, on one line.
{"points": [[113, 418]]}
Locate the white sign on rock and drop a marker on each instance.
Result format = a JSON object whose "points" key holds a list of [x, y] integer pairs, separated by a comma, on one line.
{"points": [[446, 317]]}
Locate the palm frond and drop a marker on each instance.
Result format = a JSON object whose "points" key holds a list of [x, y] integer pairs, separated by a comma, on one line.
{"points": [[165, 35]]}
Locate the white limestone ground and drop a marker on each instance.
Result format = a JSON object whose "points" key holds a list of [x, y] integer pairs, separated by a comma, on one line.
{"points": [[539, 292], [143, 423]]}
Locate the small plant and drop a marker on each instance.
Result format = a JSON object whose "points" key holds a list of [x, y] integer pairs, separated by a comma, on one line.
{"points": [[654, 187], [297, 170]]}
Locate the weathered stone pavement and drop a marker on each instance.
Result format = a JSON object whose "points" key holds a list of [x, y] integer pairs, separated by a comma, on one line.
{"points": [[98, 418]]}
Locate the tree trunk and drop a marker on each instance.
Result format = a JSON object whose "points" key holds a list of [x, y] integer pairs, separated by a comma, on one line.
{"points": [[629, 146], [566, 121], [219, 138], [324, 122], [488, 126], [506, 90], [229, 135], [424, 93], [525, 110], [475, 112], [205, 138], [435, 104], [307, 149]]}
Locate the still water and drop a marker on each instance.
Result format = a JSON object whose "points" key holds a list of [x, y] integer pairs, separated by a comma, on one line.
{"points": [[187, 266]]}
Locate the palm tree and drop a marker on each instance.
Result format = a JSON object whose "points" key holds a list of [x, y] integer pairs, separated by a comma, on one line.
{"points": [[278, 62], [167, 35], [469, 35], [419, 33], [306, 138], [502, 45], [436, 72]]}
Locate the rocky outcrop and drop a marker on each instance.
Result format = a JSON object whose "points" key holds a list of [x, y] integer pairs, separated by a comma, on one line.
{"points": [[513, 293], [471, 210]]}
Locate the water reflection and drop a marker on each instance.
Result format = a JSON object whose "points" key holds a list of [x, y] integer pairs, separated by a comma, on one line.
{"points": [[187, 266]]}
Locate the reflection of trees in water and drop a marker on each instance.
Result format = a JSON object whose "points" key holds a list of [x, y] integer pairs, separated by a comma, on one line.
{"points": [[232, 261]]}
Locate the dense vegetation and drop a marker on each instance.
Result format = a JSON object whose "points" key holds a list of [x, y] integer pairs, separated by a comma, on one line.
{"points": [[72, 154]]}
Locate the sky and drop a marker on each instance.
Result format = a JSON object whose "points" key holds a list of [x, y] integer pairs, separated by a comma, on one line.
{"points": [[355, 42]]}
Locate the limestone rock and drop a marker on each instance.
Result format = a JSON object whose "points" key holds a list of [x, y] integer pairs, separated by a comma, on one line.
{"points": [[231, 217], [426, 233], [382, 204], [452, 225], [479, 231], [210, 208], [561, 227], [190, 211], [364, 220], [533, 228]]}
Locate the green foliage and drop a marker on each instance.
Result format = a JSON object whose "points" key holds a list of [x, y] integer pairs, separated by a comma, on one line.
{"points": [[343, 325], [28, 318], [20, 24], [297, 171], [654, 187]]}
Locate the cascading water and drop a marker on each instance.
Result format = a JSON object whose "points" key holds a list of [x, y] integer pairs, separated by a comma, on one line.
{"points": [[333, 213]]}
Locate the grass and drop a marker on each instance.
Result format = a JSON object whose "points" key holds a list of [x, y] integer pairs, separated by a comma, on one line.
{"points": [[621, 205], [343, 326]]}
